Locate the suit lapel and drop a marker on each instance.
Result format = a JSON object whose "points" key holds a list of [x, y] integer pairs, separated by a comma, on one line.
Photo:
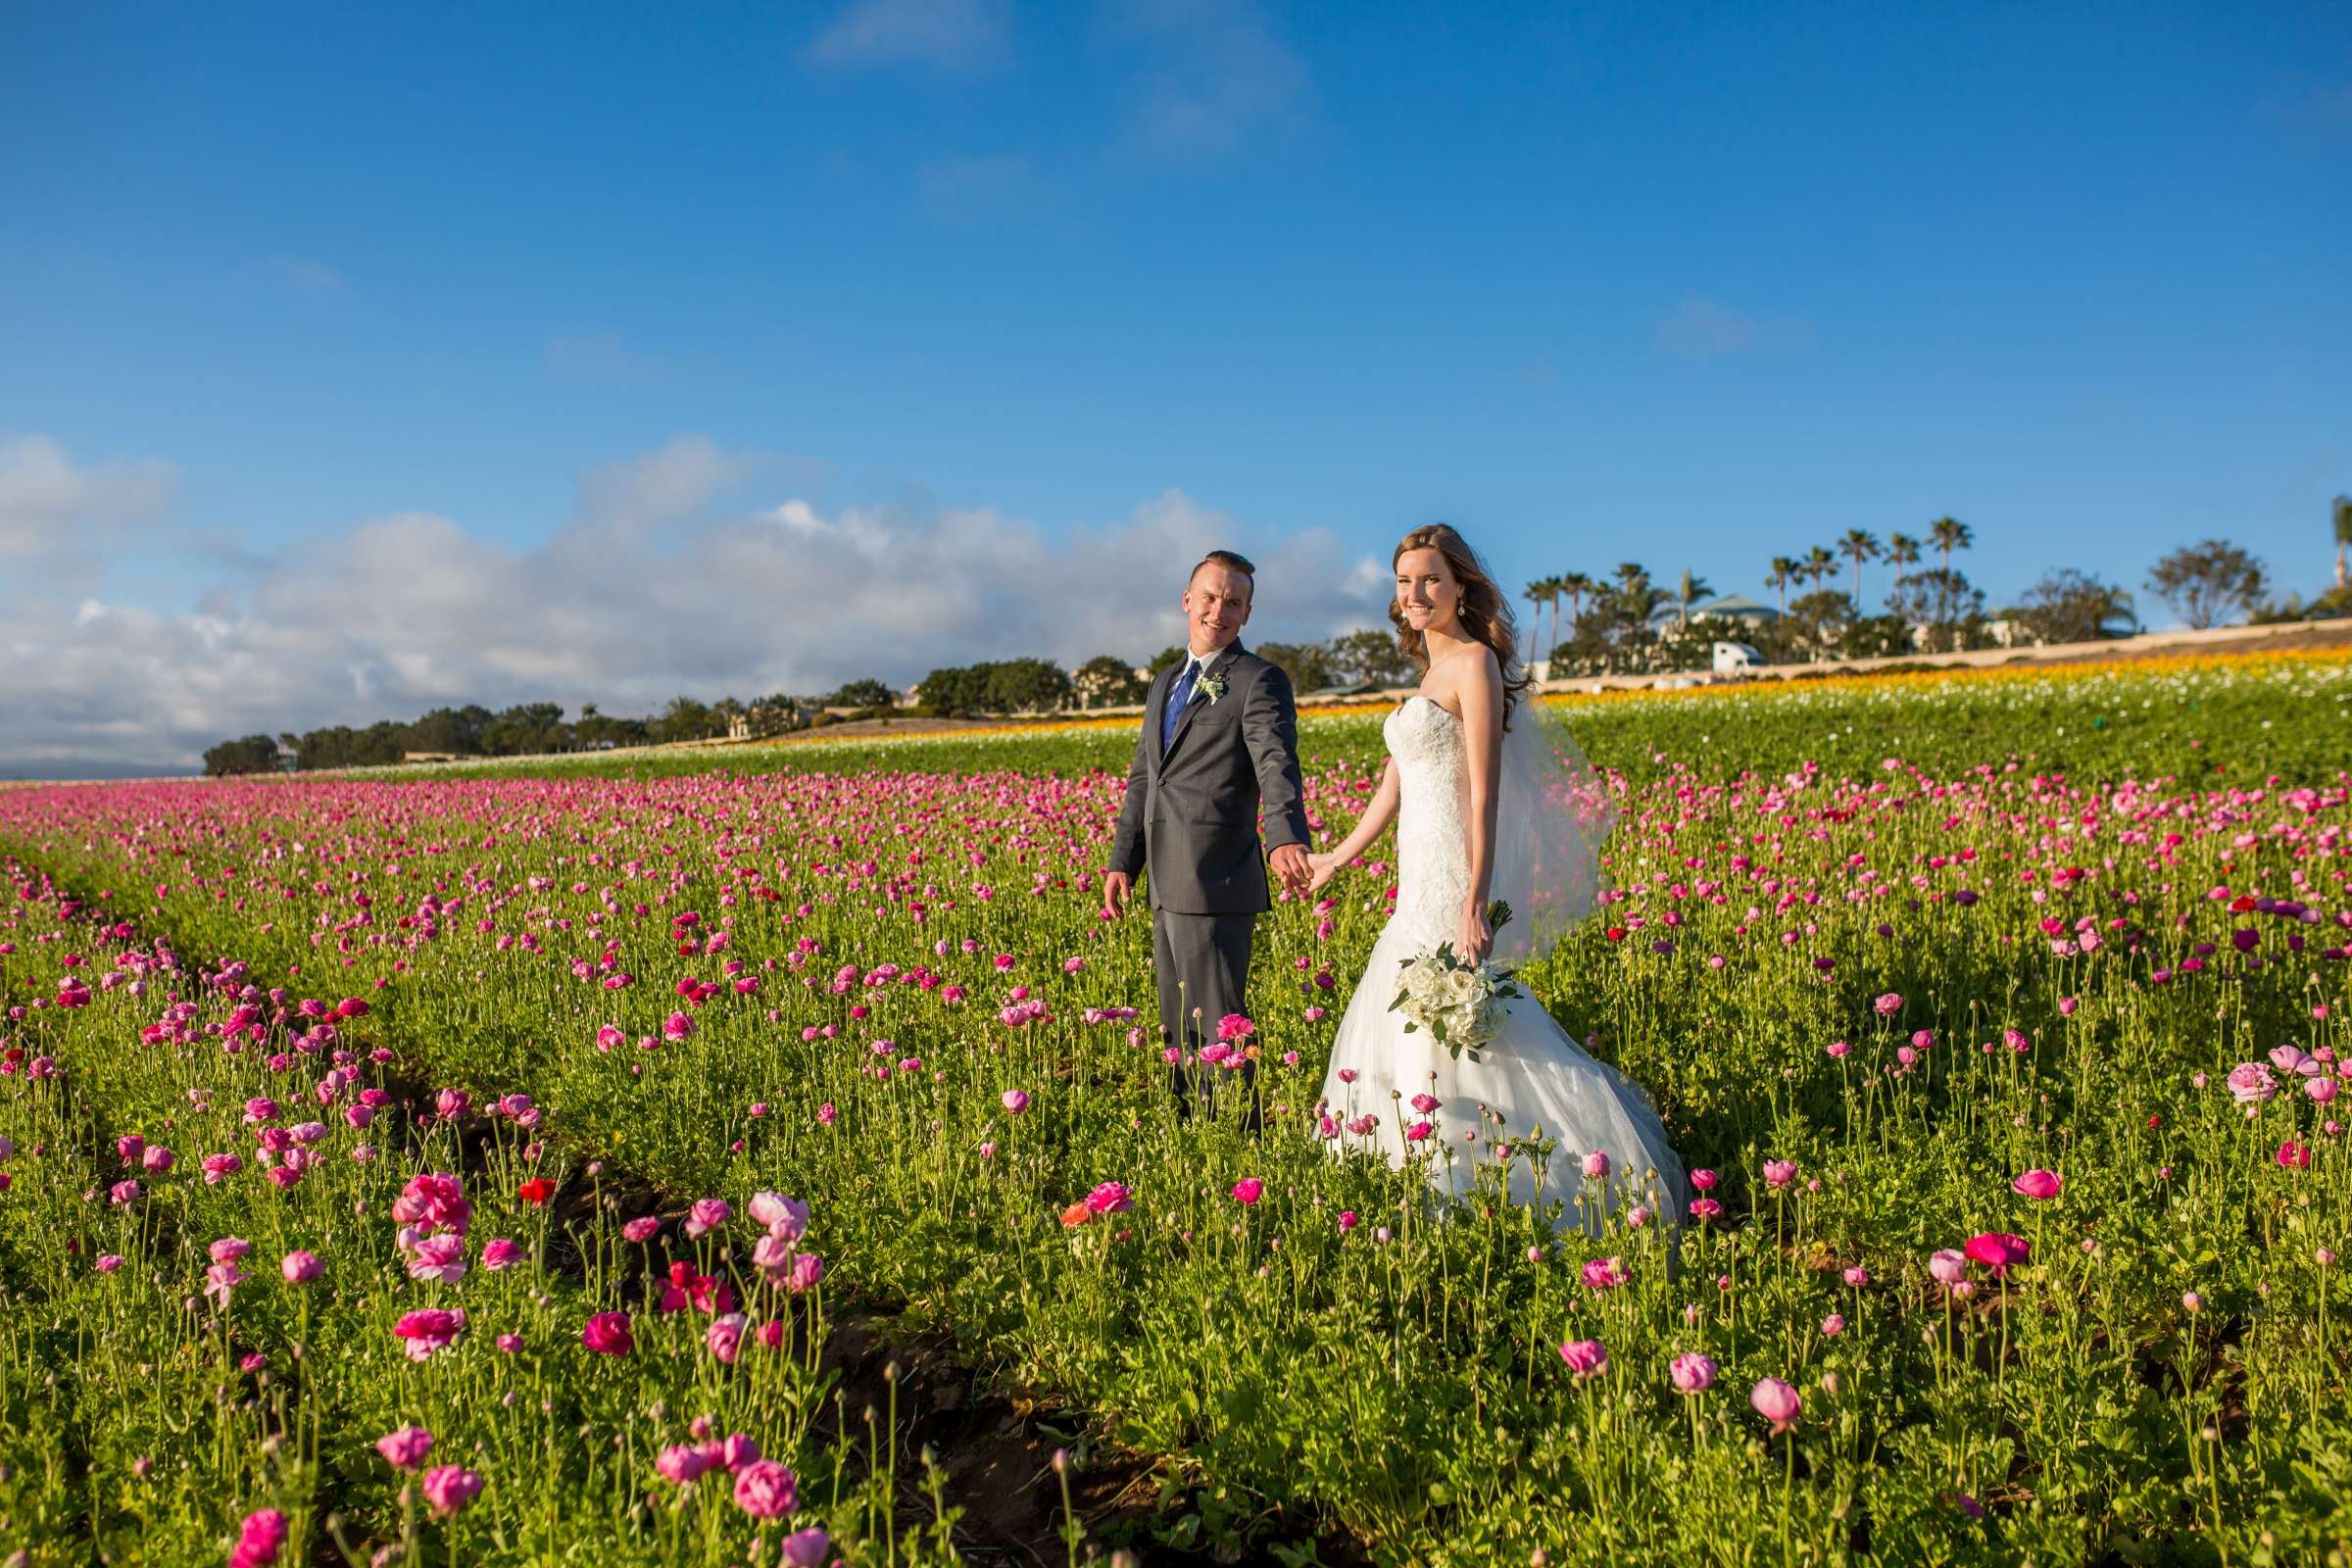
{"points": [[1184, 720], [1155, 710]]}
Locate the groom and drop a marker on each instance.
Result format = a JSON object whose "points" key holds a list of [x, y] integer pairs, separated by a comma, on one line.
{"points": [[1220, 741]]}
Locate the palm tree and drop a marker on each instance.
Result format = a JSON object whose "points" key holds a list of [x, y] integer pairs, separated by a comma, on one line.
{"points": [[1901, 551], [1818, 564], [2343, 537], [1537, 593], [1947, 534], [1784, 572], [1578, 587], [1692, 586], [1862, 546]]}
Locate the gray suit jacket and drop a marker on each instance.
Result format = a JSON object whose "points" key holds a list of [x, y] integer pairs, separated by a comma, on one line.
{"points": [[1191, 817]]}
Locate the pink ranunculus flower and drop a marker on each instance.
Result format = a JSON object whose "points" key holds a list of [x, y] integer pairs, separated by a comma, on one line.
{"points": [[608, 1334], [1777, 1402], [707, 1214], [2038, 1184], [1692, 1373], [1248, 1191], [450, 1488], [433, 1328], [765, 1489], [1596, 1163], [786, 1219], [1947, 1267], [683, 1464], [1603, 1273], [1586, 1358], [724, 1337], [1888, 1006], [1998, 1250], [1779, 1172], [230, 1250], [300, 1267], [2250, 1083], [260, 1538], [405, 1449], [1016, 1102], [808, 1271], [804, 1548], [501, 1253], [439, 1258], [1109, 1197]]}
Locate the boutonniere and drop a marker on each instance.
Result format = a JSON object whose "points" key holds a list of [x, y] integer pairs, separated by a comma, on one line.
{"points": [[1211, 685]]}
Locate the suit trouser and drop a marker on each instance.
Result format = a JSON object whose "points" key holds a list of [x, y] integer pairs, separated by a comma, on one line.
{"points": [[1203, 966]]}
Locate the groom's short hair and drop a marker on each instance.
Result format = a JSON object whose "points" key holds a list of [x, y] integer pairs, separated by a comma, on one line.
{"points": [[1231, 560]]}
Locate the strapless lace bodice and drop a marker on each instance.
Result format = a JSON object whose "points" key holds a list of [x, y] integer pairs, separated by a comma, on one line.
{"points": [[1433, 844]]}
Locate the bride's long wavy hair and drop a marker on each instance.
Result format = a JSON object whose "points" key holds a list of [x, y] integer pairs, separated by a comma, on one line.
{"points": [[1485, 613]]}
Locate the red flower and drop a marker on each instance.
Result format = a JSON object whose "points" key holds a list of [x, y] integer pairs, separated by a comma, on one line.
{"points": [[2243, 904], [538, 1190], [1616, 933]]}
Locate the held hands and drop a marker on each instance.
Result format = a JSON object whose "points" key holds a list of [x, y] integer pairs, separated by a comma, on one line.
{"points": [[1291, 863], [1321, 868], [1476, 938]]}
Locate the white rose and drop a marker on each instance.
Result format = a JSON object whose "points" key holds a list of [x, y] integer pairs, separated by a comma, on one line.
{"points": [[1458, 987]]}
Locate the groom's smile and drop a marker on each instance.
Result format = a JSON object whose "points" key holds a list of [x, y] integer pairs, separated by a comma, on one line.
{"points": [[1217, 606]]}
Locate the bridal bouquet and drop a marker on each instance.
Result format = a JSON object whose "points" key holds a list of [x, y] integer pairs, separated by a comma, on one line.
{"points": [[1455, 1001]]}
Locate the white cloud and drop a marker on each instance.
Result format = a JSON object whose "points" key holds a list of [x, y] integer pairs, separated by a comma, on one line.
{"points": [[1215, 78], [56, 515], [945, 34], [646, 594]]}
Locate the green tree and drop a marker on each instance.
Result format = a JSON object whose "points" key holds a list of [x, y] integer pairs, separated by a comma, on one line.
{"points": [[250, 753], [1784, 572], [1108, 681], [1578, 588], [1901, 551], [1819, 562], [684, 719], [1687, 592], [1308, 664], [1161, 661], [1026, 686], [1949, 534], [1861, 545], [2072, 606], [2209, 582], [862, 693], [1370, 657], [1945, 603]]}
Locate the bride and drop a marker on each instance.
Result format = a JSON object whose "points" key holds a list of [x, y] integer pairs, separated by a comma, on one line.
{"points": [[1486, 809]]}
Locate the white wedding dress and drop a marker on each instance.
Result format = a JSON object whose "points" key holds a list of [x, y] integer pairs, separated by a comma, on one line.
{"points": [[1532, 1080]]}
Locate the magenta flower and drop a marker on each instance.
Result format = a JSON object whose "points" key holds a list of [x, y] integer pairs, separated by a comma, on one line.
{"points": [[1692, 1373], [1777, 1402], [258, 1539], [642, 1229], [220, 1279], [2037, 1184], [1998, 1250], [765, 1489], [724, 1337], [707, 1214], [804, 1548], [808, 1270], [1704, 1179], [230, 1250], [405, 1449], [683, 1464], [450, 1488], [1704, 1208], [1603, 1273], [439, 1258], [608, 1334], [1857, 1276], [1109, 1197], [1597, 1164], [1235, 1026], [300, 1267], [499, 1254], [1947, 1267], [2294, 1059], [1586, 1358], [1248, 1191], [1016, 1102], [1888, 1006], [1779, 1172], [430, 1330]]}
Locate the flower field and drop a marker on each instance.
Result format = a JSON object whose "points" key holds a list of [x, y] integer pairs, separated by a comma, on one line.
{"points": [[491, 1168]]}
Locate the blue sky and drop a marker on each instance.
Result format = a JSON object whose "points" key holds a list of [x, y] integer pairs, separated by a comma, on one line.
{"points": [[358, 363]]}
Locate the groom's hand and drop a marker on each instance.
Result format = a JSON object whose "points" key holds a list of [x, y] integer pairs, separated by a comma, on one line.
{"points": [[1290, 864], [1118, 889]]}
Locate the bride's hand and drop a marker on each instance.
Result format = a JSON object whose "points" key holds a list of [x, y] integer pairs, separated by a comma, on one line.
{"points": [[1322, 868], [1476, 939]]}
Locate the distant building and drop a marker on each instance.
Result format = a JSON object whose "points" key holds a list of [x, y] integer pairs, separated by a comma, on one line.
{"points": [[1734, 608]]}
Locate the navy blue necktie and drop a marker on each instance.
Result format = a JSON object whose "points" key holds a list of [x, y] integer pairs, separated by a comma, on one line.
{"points": [[1178, 695]]}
